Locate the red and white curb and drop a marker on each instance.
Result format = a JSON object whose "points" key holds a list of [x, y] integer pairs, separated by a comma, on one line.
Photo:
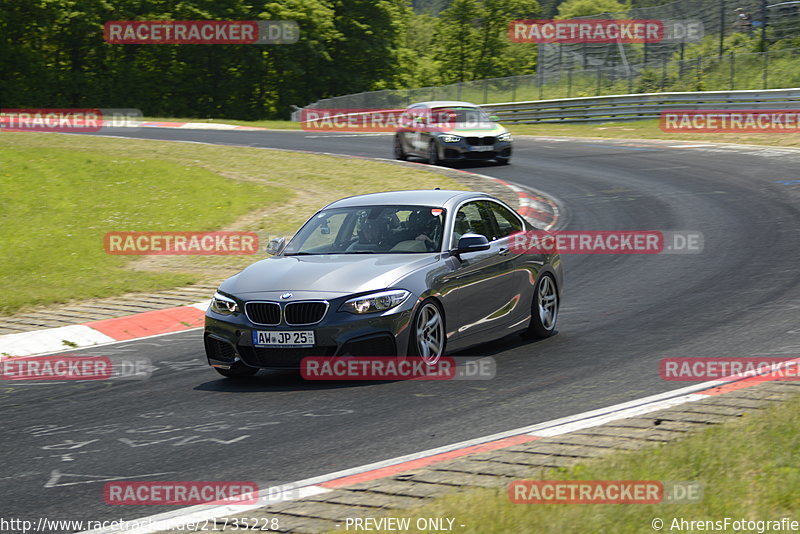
{"points": [[104, 331], [394, 466], [196, 126]]}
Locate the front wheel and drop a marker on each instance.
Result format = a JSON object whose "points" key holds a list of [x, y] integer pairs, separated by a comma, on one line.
{"points": [[544, 309], [399, 153], [237, 370], [428, 334], [433, 154]]}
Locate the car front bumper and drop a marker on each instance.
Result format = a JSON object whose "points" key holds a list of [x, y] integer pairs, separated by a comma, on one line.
{"points": [[463, 151], [228, 338]]}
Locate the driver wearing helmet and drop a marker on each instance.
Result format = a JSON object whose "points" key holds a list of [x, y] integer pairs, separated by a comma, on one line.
{"points": [[420, 226]]}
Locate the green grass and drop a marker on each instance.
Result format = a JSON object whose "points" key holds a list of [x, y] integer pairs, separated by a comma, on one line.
{"points": [[62, 193], [749, 469], [58, 203]]}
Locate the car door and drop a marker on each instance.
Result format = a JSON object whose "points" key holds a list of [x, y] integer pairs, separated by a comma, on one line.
{"points": [[477, 283], [517, 271]]}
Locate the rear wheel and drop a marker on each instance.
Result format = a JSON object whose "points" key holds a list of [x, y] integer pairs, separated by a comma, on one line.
{"points": [[399, 153], [428, 336], [237, 370], [544, 309]]}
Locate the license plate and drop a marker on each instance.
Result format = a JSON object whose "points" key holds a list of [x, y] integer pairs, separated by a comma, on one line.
{"points": [[482, 148], [283, 338]]}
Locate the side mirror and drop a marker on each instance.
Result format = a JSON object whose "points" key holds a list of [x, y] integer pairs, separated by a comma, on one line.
{"points": [[276, 245], [472, 243]]}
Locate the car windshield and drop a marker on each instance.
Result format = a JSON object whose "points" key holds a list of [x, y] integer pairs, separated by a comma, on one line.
{"points": [[370, 230], [458, 115]]}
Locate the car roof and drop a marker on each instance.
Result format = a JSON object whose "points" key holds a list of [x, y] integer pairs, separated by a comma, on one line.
{"points": [[445, 103], [416, 197]]}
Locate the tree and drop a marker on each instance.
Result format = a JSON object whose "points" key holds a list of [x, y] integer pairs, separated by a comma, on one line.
{"points": [[456, 36]]}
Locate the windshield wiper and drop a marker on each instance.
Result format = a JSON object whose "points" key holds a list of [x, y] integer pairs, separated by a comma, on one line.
{"points": [[361, 252]]}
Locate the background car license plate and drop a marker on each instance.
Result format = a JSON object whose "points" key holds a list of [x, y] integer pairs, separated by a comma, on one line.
{"points": [[283, 338], [482, 148]]}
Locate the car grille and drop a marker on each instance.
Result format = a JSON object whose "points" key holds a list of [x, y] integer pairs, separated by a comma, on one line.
{"points": [[268, 313], [477, 141], [300, 313], [219, 350]]}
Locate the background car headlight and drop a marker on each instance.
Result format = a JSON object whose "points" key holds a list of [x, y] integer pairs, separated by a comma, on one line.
{"points": [[504, 137], [223, 305], [450, 138], [376, 302]]}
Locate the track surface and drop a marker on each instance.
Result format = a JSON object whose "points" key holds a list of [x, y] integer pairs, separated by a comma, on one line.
{"points": [[620, 316]]}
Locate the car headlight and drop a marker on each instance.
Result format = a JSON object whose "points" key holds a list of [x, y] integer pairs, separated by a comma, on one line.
{"points": [[504, 137], [223, 305], [376, 302], [450, 138]]}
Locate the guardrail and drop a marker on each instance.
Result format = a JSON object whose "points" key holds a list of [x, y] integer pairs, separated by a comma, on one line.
{"points": [[639, 106]]}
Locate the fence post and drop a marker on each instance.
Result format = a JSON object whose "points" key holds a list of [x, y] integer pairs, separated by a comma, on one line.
{"points": [[597, 93], [766, 67], [733, 71], [486, 91], [569, 83], [663, 73], [699, 74], [514, 89], [721, 28], [459, 90]]}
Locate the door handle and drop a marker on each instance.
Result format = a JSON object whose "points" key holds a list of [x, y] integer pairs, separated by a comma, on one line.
{"points": [[504, 251]]}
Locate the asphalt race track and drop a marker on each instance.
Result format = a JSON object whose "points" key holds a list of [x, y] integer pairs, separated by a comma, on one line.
{"points": [[620, 315]]}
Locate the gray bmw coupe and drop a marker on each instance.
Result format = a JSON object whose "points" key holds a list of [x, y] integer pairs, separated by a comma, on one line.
{"points": [[386, 274]]}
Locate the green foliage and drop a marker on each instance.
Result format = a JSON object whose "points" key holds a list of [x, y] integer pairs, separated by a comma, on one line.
{"points": [[572, 9], [472, 39], [52, 54]]}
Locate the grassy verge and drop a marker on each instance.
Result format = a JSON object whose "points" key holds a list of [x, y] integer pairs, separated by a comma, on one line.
{"points": [[63, 193], [749, 469], [650, 130]]}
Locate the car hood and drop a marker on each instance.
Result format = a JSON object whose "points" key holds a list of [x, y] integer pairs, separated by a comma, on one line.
{"points": [[489, 128], [329, 274]]}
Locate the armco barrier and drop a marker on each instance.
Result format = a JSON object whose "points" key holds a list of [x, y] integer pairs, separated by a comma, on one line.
{"points": [[640, 106], [633, 106]]}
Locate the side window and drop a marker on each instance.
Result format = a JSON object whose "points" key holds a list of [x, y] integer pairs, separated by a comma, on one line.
{"points": [[471, 219], [507, 222]]}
